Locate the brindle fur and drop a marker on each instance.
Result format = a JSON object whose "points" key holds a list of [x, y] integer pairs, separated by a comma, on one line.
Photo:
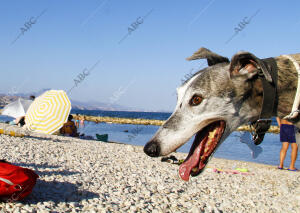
{"points": [[287, 84], [231, 91]]}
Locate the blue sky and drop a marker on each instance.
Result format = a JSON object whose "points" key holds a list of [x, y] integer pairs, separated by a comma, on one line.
{"points": [[144, 70]]}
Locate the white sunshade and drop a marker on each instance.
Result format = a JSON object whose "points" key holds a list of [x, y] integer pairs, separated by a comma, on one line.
{"points": [[17, 108]]}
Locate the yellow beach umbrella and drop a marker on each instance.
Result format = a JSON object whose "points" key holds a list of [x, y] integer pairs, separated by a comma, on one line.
{"points": [[48, 112]]}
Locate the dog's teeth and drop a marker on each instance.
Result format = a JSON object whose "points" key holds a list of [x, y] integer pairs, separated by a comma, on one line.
{"points": [[208, 144], [206, 149], [212, 134]]}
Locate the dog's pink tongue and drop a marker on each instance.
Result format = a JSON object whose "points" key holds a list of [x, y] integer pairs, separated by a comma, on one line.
{"points": [[186, 167]]}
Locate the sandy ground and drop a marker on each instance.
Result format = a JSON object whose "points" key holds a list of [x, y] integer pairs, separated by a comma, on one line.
{"points": [[90, 176]]}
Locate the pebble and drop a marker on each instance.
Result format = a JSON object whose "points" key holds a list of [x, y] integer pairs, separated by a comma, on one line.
{"points": [[195, 209]]}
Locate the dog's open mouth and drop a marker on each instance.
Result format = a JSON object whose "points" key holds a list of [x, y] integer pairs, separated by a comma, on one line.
{"points": [[204, 145]]}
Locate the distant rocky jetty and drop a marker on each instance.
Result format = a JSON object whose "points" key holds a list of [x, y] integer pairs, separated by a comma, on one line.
{"points": [[139, 121]]}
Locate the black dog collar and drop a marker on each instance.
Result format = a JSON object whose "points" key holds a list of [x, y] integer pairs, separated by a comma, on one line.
{"points": [[270, 98], [268, 74]]}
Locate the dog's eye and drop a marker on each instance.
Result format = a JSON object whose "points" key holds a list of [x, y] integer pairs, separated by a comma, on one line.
{"points": [[196, 100]]}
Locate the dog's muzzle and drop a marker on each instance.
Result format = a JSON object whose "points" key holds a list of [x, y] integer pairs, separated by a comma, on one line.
{"points": [[152, 149]]}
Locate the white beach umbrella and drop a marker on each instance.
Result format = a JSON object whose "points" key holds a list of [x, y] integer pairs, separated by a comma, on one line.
{"points": [[17, 108]]}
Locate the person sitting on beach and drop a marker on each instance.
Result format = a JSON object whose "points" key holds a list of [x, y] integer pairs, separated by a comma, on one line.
{"points": [[287, 136], [69, 128]]}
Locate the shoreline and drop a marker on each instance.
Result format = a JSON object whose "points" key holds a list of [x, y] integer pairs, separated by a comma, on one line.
{"points": [[29, 134]]}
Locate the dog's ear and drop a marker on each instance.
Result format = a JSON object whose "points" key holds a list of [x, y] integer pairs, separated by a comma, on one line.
{"points": [[249, 64], [212, 58]]}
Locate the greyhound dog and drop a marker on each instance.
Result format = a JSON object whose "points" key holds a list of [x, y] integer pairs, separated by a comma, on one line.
{"points": [[215, 101]]}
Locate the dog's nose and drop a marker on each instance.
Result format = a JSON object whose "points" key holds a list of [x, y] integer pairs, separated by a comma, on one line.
{"points": [[152, 149]]}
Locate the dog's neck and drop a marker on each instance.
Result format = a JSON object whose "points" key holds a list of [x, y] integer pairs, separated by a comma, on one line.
{"points": [[287, 84], [286, 89]]}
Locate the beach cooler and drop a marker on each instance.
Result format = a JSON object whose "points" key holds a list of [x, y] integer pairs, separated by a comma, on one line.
{"points": [[15, 182]]}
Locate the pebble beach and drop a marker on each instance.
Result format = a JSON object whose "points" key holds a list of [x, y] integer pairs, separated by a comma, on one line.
{"points": [[91, 176]]}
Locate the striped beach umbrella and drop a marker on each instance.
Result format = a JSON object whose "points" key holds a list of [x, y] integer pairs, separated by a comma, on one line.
{"points": [[48, 112]]}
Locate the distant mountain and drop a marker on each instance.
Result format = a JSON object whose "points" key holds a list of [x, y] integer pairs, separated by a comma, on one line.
{"points": [[94, 105], [7, 98], [4, 99], [26, 95], [83, 105]]}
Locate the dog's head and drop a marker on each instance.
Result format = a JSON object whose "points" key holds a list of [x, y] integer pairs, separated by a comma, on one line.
{"points": [[210, 105]]}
